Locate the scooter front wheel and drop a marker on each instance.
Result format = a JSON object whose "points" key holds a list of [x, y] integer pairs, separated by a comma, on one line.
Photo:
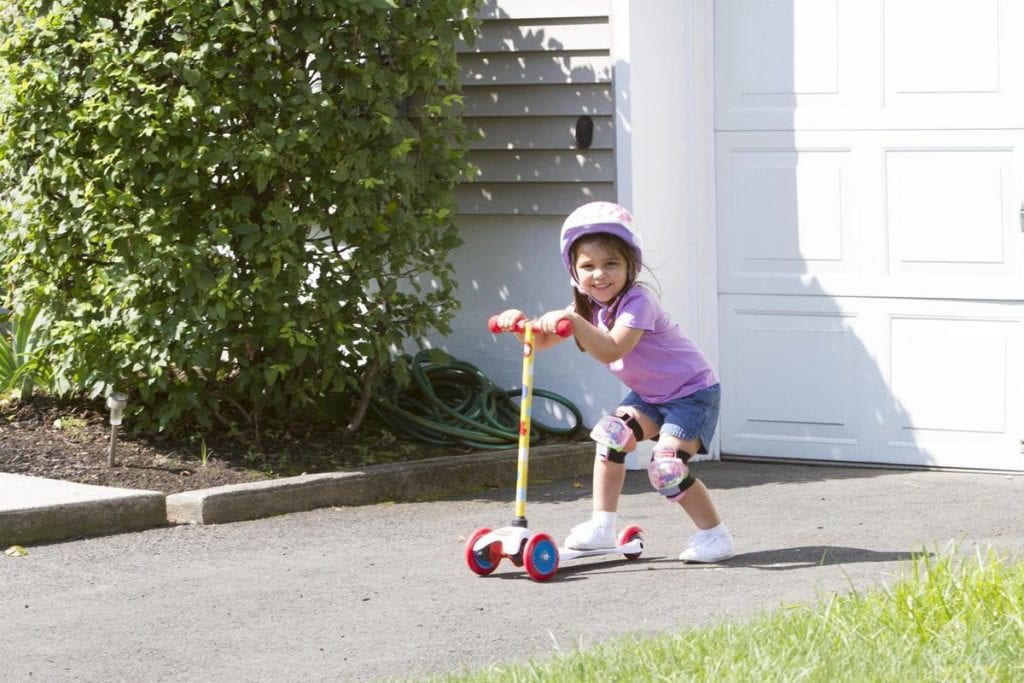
{"points": [[486, 559], [541, 555]]}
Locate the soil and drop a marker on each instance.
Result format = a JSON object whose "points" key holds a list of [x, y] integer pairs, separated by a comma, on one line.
{"points": [[70, 440]]}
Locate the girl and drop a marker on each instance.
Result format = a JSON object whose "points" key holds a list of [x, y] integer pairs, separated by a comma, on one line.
{"points": [[674, 391]]}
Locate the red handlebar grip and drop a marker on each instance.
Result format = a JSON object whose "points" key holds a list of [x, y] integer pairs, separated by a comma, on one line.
{"points": [[564, 327]]}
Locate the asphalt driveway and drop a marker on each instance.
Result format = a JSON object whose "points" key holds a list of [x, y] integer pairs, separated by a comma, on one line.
{"points": [[383, 592]]}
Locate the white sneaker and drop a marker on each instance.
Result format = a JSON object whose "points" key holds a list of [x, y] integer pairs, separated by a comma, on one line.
{"points": [[590, 536], [710, 546]]}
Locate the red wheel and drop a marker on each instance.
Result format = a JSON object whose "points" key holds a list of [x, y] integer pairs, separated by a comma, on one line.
{"points": [[541, 556], [629, 534], [486, 559]]}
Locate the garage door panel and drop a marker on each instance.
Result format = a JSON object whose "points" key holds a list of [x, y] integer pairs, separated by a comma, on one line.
{"points": [[769, 34], [763, 79], [949, 374], [771, 230], [775, 220], [943, 52], [951, 64], [953, 369], [948, 215], [791, 372]]}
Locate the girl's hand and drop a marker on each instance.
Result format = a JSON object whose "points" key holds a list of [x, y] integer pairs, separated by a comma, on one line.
{"points": [[507, 319], [548, 323]]}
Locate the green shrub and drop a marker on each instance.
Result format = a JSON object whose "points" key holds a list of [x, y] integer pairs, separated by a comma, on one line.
{"points": [[233, 209]]}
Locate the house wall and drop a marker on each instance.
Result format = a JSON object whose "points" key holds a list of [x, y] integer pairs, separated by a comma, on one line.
{"points": [[535, 69], [656, 87]]}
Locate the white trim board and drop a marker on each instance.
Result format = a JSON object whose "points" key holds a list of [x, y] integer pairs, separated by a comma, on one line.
{"points": [[662, 55]]}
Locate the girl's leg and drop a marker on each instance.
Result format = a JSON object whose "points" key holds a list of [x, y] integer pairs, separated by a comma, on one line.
{"points": [[712, 543], [697, 504], [608, 478], [697, 501]]}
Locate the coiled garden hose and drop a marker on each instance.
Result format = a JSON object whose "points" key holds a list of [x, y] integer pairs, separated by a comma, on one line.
{"points": [[451, 402]]}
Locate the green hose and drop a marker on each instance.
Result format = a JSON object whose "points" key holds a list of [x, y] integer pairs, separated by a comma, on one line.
{"points": [[451, 402]]}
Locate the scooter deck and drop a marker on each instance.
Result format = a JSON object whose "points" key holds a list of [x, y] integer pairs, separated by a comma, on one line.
{"points": [[634, 547]]}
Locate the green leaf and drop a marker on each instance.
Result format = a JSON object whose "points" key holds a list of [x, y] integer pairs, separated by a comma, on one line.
{"points": [[262, 178]]}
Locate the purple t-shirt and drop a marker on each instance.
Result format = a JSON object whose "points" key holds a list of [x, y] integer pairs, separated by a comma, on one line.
{"points": [[665, 364]]}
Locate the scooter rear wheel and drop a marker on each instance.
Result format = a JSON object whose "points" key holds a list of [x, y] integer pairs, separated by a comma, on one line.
{"points": [[541, 555], [486, 559], [629, 534]]}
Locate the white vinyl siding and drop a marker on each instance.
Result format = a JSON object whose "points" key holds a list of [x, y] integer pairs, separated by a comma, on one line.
{"points": [[534, 69]]}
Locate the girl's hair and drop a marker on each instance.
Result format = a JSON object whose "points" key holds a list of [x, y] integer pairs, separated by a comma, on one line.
{"points": [[583, 304]]}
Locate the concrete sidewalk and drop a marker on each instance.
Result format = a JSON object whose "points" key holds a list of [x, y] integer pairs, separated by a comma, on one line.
{"points": [[37, 510], [33, 509]]}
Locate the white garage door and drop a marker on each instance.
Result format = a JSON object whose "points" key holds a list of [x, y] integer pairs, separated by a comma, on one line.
{"points": [[870, 175]]}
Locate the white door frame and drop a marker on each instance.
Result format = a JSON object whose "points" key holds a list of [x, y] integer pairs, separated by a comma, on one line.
{"points": [[665, 152]]}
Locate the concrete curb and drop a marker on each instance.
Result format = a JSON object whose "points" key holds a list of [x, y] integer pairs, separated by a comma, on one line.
{"points": [[394, 482], [38, 510]]}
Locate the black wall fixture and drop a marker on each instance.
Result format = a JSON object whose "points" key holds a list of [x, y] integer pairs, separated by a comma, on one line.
{"points": [[584, 132]]}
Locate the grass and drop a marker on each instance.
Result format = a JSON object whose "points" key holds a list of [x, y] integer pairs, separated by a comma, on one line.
{"points": [[204, 452], [950, 619]]}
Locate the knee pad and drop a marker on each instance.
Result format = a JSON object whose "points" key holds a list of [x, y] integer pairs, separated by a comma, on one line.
{"points": [[669, 474], [616, 435]]}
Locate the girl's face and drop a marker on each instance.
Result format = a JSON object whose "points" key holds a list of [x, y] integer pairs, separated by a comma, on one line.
{"points": [[602, 272]]}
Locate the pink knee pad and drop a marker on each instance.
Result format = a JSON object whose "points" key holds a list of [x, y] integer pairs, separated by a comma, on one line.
{"points": [[615, 433], [669, 475]]}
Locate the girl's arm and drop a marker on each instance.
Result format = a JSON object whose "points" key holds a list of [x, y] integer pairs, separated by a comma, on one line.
{"points": [[606, 347]]}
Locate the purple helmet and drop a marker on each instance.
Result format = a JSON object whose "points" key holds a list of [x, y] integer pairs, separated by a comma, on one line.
{"points": [[598, 217]]}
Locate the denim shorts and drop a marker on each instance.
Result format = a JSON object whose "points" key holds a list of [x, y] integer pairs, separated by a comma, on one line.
{"points": [[691, 417]]}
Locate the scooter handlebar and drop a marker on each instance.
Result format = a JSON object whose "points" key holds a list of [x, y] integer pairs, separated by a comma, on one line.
{"points": [[564, 327]]}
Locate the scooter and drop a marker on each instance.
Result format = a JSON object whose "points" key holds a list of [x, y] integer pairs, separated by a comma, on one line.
{"points": [[540, 554]]}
